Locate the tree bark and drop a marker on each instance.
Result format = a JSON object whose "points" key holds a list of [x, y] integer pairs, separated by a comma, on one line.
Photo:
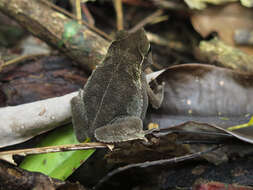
{"points": [[85, 47]]}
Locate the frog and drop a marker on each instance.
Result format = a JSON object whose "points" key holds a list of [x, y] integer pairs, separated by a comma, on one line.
{"points": [[113, 103]]}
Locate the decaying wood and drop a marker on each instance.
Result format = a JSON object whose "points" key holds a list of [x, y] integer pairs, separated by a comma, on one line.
{"points": [[12, 178], [215, 51], [49, 26], [155, 163]]}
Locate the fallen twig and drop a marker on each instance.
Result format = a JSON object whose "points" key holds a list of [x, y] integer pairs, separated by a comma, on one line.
{"points": [[155, 163], [145, 21], [88, 15], [20, 59], [59, 148]]}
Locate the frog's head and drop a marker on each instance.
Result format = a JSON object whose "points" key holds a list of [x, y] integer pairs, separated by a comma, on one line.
{"points": [[137, 41], [144, 48], [143, 43], [135, 44]]}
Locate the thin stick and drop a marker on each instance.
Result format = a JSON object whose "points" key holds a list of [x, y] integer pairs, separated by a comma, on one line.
{"points": [[59, 148], [74, 17], [170, 5], [200, 142], [78, 12], [119, 13], [170, 130], [145, 21], [19, 59], [87, 14], [155, 163]]}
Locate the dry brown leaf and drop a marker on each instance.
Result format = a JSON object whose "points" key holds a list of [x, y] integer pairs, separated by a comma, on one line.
{"points": [[224, 20]]}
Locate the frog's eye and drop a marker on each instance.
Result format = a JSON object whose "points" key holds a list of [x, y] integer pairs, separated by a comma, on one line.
{"points": [[149, 50]]}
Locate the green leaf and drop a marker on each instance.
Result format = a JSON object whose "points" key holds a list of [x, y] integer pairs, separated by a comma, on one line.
{"points": [[250, 123], [58, 165]]}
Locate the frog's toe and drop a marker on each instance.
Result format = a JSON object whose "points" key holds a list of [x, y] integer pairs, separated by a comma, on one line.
{"points": [[122, 129]]}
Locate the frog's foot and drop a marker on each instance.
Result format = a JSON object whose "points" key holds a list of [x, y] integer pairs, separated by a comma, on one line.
{"points": [[156, 96], [151, 131], [122, 129]]}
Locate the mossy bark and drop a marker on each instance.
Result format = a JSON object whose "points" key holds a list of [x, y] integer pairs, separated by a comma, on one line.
{"points": [[85, 47]]}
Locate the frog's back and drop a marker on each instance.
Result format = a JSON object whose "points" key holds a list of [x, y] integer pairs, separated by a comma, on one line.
{"points": [[114, 88], [111, 93]]}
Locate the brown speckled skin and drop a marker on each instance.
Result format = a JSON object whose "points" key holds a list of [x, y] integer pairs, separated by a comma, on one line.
{"points": [[116, 90]]}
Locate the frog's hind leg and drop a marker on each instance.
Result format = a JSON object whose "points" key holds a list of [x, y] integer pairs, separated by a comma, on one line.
{"points": [[79, 118], [122, 129]]}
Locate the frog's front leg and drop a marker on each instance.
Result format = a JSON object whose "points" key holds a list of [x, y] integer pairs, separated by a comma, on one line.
{"points": [[78, 117], [122, 129], [155, 96]]}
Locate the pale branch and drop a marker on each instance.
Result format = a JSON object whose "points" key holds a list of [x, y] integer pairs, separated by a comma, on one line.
{"points": [[22, 122]]}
